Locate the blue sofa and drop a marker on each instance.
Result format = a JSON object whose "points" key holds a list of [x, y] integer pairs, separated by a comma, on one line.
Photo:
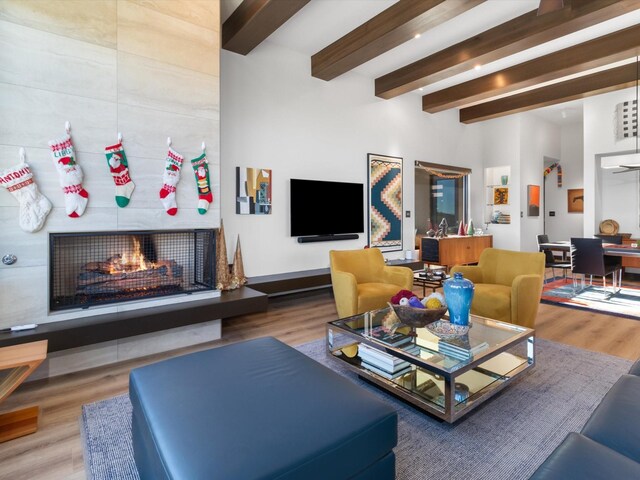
{"points": [[608, 447], [257, 409]]}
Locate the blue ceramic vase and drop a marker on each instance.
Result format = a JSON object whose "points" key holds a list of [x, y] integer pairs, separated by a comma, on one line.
{"points": [[458, 293]]}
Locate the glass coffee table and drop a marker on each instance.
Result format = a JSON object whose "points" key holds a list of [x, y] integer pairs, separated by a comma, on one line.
{"points": [[437, 375]]}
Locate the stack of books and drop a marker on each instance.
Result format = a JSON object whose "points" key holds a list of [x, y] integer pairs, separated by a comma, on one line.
{"points": [[460, 348], [382, 363]]}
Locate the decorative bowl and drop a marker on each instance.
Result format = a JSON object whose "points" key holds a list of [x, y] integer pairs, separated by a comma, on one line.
{"points": [[417, 317], [446, 329]]}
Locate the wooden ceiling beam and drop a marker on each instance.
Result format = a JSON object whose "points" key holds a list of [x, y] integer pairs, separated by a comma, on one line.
{"points": [[394, 26], [596, 53], [581, 87], [254, 20], [521, 33]]}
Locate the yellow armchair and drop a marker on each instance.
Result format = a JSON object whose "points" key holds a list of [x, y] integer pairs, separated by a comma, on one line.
{"points": [[362, 281], [508, 285]]}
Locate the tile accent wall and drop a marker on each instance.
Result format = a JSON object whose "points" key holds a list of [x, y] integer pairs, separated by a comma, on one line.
{"points": [[146, 68]]}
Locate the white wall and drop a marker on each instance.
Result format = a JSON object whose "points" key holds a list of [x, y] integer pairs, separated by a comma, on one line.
{"points": [[501, 147], [146, 69], [565, 225], [275, 115], [539, 139], [607, 195]]}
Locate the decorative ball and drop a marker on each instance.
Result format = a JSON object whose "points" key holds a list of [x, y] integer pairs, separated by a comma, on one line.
{"points": [[404, 301], [415, 302], [433, 303]]}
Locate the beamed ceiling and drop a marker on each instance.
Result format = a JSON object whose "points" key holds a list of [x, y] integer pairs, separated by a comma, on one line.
{"points": [[486, 58]]}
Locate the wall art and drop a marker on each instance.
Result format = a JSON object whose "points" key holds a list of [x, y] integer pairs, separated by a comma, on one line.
{"points": [[501, 196], [385, 202], [253, 191], [626, 120], [533, 200], [575, 200]]}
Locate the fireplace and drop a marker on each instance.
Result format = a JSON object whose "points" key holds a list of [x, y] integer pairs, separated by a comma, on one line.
{"points": [[97, 268]]}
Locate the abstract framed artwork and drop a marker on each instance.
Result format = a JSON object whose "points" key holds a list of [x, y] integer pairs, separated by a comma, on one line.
{"points": [[575, 200], [385, 202], [533, 200], [501, 196], [253, 191]]}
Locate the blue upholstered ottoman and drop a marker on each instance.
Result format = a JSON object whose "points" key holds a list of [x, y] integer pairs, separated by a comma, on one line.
{"points": [[257, 410]]}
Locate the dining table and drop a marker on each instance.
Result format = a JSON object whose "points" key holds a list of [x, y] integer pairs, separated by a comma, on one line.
{"points": [[611, 249]]}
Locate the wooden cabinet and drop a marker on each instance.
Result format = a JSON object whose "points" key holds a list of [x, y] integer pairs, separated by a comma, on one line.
{"points": [[454, 250], [631, 262]]}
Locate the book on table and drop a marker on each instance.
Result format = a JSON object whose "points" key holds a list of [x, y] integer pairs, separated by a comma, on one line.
{"points": [[385, 374], [389, 337], [461, 347], [381, 360]]}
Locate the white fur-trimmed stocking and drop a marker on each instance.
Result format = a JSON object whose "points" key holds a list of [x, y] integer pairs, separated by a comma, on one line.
{"points": [[34, 207], [170, 179], [69, 175]]}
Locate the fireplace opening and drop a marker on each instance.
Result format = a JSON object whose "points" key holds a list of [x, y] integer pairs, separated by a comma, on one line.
{"points": [[88, 269]]}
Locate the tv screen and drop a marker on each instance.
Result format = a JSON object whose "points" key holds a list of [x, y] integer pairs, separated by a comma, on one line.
{"points": [[326, 208]]}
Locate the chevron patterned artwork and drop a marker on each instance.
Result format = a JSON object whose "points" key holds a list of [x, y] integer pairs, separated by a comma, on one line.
{"points": [[385, 202]]}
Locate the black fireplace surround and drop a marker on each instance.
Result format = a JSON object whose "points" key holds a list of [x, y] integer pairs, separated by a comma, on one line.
{"points": [[97, 268]]}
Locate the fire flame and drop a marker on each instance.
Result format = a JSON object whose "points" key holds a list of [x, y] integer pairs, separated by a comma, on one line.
{"points": [[131, 261]]}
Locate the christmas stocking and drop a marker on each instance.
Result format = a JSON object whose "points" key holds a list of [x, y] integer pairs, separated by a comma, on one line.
{"points": [[171, 177], [201, 168], [119, 168], [69, 175], [34, 207]]}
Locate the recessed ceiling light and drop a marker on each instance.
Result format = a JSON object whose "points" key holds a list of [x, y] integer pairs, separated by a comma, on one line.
{"points": [[563, 114], [417, 35], [477, 67], [421, 89]]}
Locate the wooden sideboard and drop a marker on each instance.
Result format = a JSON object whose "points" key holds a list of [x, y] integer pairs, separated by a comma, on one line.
{"points": [[630, 262], [453, 250]]}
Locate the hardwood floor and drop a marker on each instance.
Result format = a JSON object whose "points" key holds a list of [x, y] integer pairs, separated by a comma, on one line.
{"points": [[55, 451]]}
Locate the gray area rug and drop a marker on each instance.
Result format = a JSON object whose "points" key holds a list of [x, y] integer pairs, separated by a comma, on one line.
{"points": [[506, 438]]}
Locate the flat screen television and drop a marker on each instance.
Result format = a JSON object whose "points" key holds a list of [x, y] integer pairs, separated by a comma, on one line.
{"points": [[326, 208]]}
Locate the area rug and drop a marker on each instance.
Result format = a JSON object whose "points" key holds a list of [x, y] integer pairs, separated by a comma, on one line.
{"points": [[507, 438], [625, 303]]}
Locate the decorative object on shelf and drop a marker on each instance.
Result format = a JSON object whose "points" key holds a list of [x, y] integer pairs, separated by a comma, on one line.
{"points": [[575, 200], [430, 230], [69, 174], [446, 329], [237, 272], [253, 191], [461, 230], [533, 200], [385, 202], [119, 168], [442, 229], [223, 280], [34, 207], [609, 227], [170, 179], [458, 292], [470, 229], [558, 168], [504, 179], [201, 170], [501, 196]]}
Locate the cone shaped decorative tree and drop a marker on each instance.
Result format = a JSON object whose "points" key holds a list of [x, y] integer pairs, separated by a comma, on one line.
{"points": [[222, 263], [461, 228], [237, 273]]}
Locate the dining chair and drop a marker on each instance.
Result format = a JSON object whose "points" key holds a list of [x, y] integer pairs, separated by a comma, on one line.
{"points": [[588, 258], [550, 259]]}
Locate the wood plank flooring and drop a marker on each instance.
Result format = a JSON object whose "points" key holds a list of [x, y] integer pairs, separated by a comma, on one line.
{"points": [[55, 451]]}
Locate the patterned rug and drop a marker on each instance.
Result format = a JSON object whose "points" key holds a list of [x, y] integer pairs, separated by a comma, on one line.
{"points": [[625, 303], [506, 438]]}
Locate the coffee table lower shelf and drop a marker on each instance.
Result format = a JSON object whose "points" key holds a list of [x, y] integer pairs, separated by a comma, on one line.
{"points": [[431, 392]]}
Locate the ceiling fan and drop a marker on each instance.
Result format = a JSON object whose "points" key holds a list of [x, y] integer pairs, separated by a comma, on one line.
{"points": [[548, 6]]}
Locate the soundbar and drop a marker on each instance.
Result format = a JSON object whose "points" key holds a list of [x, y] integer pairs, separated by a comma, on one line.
{"points": [[328, 238]]}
